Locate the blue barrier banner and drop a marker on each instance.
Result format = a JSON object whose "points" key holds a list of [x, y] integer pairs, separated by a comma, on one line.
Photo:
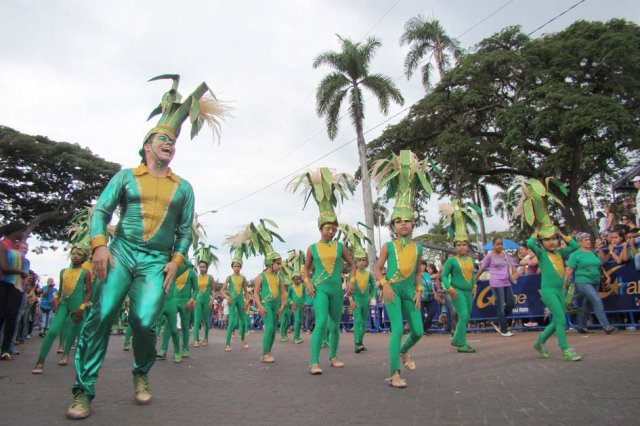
{"points": [[526, 292], [623, 296]]}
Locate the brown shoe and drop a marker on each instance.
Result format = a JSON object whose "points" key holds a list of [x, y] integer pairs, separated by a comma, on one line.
{"points": [[315, 369], [60, 349], [80, 407], [335, 362], [396, 382], [408, 362], [39, 367], [141, 389], [64, 360], [267, 359]]}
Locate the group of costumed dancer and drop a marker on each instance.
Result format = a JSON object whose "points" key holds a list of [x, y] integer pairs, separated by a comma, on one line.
{"points": [[146, 262]]}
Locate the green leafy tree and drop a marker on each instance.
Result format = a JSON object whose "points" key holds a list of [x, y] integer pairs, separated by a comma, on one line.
{"points": [[45, 183], [346, 83], [565, 105], [428, 37]]}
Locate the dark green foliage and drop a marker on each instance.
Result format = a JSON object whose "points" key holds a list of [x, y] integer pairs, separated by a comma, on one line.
{"points": [[44, 183]]}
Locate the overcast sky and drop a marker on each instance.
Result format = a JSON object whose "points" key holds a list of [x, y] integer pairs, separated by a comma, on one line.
{"points": [[76, 71]]}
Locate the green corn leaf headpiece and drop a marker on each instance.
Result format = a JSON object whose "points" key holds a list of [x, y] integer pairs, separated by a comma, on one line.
{"points": [[293, 264], [354, 238], [401, 175], [460, 217], [255, 240], [327, 187], [200, 107], [532, 206], [204, 253]]}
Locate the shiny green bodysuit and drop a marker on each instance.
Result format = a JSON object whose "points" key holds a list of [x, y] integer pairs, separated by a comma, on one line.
{"points": [[237, 317], [154, 228], [401, 274], [327, 302]]}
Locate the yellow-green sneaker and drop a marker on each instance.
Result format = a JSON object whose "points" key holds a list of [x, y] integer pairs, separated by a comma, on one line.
{"points": [[539, 347], [570, 355], [80, 407], [466, 349], [141, 389], [185, 353]]}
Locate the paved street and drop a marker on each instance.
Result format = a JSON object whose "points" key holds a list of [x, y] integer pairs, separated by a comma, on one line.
{"points": [[503, 383]]}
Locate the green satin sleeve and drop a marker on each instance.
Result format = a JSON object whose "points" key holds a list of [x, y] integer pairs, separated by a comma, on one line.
{"points": [[185, 220], [193, 283], [106, 205], [446, 272]]}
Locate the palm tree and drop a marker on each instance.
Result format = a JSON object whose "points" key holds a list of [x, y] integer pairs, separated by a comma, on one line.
{"points": [[428, 37], [380, 213], [350, 75], [503, 206]]}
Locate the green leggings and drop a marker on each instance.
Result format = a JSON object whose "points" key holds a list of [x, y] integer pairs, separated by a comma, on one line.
{"points": [[554, 299], [127, 336], [327, 305], [236, 318], [202, 314], [403, 304], [297, 322], [360, 317], [270, 322], [285, 321], [61, 321], [170, 328], [463, 305]]}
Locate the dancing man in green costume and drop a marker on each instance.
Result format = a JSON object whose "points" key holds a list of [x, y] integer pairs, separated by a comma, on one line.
{"points": [[401, 286], [458, 279], [326, 256], [150, 244], [234, 290], [533, 205], [75, 291]]}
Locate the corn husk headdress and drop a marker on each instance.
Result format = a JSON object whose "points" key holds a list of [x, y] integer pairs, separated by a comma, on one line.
{"points": [[401, 175], [201, 106], [293, 264], [79, 230], [459, 218], [354, 239], [323, 184], [254, 240], [532, 205], [204, 253]]}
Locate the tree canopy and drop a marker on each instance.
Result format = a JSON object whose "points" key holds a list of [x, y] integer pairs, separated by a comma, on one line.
{"points": [[43, 183], [565, 105]]}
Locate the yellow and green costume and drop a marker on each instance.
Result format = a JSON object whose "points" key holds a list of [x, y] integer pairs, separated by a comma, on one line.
{"points": [[364, 289], [402, 175], [202, 313], [236, 285], [72, 295], [156, 215]]}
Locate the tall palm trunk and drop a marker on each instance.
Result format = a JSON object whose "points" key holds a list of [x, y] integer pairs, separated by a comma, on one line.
{"points": [[366, 192], [483, 232]]}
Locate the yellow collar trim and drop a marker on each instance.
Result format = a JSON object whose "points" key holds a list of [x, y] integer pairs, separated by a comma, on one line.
{"points": [[143, 170]]}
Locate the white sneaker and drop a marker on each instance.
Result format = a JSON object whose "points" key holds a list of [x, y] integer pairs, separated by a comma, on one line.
{"points": [[507, 334]]}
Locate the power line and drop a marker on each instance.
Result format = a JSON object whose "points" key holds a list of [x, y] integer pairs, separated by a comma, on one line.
{"points": [[311, 162], [295, 110], [487, 17], [556, 17], [342, 116]]}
